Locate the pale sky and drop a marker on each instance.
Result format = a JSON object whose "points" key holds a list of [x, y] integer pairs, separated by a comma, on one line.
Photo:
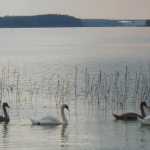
{"points": [[84, 9]]}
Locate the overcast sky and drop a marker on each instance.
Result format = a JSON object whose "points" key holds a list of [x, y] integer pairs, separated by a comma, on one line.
{"points": [[97, 9]]}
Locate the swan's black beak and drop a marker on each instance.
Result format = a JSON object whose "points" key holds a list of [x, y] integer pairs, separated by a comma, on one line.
{"points": [[8, 106], [67, 108]]}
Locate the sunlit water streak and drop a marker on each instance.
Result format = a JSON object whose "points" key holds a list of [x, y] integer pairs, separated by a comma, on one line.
{"points": [[49, 52]]}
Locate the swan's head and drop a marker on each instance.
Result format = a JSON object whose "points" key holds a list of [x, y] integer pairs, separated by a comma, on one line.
{"points": [[144, 104], [5, 105], [65, 106]]}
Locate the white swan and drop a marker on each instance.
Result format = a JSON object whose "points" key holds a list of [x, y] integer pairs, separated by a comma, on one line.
{"points": [[145, 121], [51, 119]]}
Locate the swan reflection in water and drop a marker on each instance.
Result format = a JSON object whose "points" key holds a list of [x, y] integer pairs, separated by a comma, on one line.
{"points": [[5, 135], [51, 131], [53, 128], [64, 136], [5, 129], [63, 129]]}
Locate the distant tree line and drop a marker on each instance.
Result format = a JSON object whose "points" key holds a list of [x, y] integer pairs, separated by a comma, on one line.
{"points": [[54, 20], [147, 22], [50, 20], [100, 23]]}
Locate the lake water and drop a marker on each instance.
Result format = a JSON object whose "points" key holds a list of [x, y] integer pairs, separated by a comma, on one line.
{"points": [[50, 66]]}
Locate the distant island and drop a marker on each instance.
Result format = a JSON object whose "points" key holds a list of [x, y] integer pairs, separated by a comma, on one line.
{"points": [[53, 20], [50, 20], [57, 20]]}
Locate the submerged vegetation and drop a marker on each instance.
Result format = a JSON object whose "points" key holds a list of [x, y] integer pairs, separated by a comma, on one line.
{"points": [[104, 89]]}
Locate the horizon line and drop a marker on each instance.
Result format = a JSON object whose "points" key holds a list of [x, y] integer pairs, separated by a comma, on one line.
{"points": [[75, 17]]}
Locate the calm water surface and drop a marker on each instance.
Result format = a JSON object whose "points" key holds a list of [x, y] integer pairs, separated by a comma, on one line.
{"points": [[39, 55]]}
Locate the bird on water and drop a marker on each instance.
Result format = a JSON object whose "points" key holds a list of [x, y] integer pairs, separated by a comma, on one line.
{"points": [[51, 120], [131, 115], [6, 116]]}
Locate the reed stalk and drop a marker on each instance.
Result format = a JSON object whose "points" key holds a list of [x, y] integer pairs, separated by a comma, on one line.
{"points": [[17, 86], [103, 89]]}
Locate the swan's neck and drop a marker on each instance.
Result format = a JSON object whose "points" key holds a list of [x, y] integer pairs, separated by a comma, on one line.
{"points": [[63, 115], [5, 114], [142, 111]]}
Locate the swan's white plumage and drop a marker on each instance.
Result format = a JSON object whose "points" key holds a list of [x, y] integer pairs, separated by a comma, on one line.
{"points": [[145, 121], [147, 118], [51, 119], [45, 121]]}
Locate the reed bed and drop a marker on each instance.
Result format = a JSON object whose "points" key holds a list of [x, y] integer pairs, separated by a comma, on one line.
{"points": [[114, 90]]}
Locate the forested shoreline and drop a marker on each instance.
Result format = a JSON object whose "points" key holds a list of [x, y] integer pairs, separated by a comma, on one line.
{"points": [[56, 20], [100, 23], [49, 20], [53, 20]]}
